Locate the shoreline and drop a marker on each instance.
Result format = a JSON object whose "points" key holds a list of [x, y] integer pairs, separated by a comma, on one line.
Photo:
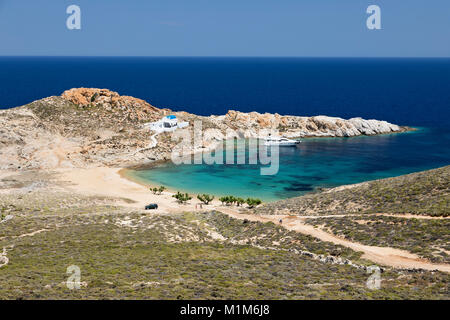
{"points": [[113, 183], [126, 172], [123, 173], [162, 162], [406, 129], [109, 131]]}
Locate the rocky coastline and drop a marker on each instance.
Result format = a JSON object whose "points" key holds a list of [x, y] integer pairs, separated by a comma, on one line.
{"points": [[86, 127]]}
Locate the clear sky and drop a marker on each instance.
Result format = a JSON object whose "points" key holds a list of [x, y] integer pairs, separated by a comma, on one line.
{"points": [[313, 28]]}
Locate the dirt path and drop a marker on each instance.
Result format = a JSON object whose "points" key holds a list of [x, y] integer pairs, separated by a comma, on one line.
{"points": [[31, 233], [386, 256], [411, 216], [3, 255], [400, 215]]}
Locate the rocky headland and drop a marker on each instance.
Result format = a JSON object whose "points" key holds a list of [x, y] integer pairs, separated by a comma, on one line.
{"points": [[86, 127]]}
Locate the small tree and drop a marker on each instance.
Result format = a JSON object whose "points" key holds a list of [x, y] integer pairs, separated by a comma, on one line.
{"points": [[228, 200], [239, 201], [154, 190], [251, 202], [177, 196], [161, 189], [186, 197], [223, 199], [182, 197], [205, 198]]}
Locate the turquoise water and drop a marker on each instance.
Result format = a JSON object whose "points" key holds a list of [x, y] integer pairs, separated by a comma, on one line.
{"points": [[316, 163]]}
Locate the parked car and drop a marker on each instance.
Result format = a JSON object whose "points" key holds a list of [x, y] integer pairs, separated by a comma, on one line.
{"points": [[151, 206]]}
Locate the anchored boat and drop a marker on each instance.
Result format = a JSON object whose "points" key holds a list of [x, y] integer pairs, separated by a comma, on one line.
{"points": [[280, 141]]}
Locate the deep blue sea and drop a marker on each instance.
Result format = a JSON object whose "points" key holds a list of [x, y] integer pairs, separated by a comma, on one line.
{"points": [[413, 92], [407, 92]]}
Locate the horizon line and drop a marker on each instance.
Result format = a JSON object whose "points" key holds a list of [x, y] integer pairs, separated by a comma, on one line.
{"points": [[176, 56]]}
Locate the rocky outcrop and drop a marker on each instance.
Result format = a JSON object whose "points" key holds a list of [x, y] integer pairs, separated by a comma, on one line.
{"points": [[82, 127], [294, 126], [136, 109], [91, 127]]}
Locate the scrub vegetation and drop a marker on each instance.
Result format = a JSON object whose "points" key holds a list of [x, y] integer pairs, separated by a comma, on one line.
{"points": [[422, 193], [427, 238], [126, 254]]}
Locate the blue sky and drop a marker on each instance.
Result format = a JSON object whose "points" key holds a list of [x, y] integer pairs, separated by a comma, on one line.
{"points": [[313, 28]]}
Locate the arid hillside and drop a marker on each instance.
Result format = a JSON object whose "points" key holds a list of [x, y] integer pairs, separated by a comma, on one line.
{"points": [[130, 254], [420, 193], [91, 127], [409, 212]]}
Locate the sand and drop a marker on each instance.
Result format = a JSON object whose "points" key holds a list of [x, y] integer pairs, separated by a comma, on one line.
{"points": [[109, 182]]}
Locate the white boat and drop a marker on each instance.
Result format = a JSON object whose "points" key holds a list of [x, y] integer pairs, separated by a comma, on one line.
{"points": [[280, 141]]}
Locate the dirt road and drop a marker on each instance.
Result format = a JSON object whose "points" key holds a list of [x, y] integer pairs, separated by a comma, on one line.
{"points": [[386, 256]]}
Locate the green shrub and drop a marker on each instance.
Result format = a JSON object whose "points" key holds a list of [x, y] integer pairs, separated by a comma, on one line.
{"points": [[205, 198], [239, 201], [158, 190], [182, 197], [228, 200], [154, 190], [161, 189], [94, 96], [253, 202]]}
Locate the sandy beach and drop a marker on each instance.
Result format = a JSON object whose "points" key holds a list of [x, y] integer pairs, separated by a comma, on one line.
{"points": [[110, 182]]}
